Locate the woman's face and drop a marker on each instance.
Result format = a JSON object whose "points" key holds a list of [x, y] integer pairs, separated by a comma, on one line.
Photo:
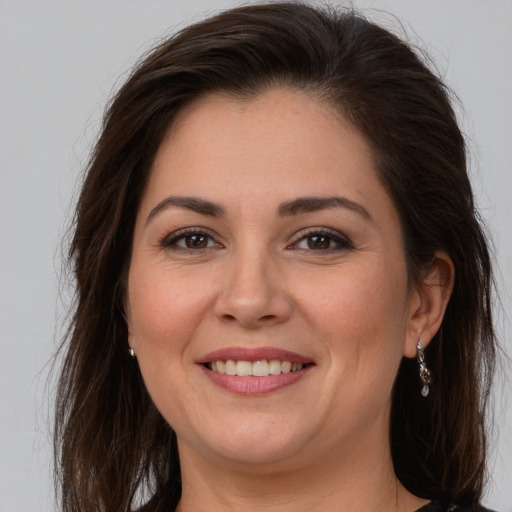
{"points": [[265, 238]]}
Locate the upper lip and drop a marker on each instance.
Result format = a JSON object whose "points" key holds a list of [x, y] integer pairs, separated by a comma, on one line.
{"points": [[253, 354]]}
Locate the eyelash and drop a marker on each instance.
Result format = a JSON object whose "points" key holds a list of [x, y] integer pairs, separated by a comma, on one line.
{"points": [[171, 241], [342, 243]]}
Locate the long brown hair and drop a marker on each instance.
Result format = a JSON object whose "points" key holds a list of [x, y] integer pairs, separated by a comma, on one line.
{"points": [[113, 448]]}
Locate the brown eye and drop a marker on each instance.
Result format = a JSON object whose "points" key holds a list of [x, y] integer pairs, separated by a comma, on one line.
{"points": [[196, 241], [324, 240], [189, 240], [319, 242]]}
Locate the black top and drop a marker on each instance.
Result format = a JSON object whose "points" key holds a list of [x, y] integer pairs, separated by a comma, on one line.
{"points": [[440, 507]]}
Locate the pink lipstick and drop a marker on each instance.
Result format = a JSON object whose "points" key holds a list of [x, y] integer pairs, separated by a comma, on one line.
{"points": [[254, 371], [253, 354]]}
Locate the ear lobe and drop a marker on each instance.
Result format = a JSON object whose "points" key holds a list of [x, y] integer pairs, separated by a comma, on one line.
{"points": [[428, 302]]}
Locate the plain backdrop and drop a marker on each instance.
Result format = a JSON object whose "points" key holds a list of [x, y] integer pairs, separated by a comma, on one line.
{"points": [[60, 61]]}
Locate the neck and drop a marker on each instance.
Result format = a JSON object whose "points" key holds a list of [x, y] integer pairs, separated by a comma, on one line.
{"points": [[359, 479]]}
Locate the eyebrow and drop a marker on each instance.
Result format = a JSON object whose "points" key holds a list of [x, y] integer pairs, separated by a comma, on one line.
{"points": [[314, 204], [194, 204], [289, 208]]}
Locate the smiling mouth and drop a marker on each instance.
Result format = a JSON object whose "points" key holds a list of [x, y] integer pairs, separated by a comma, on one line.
{"points": [[260, 368]]}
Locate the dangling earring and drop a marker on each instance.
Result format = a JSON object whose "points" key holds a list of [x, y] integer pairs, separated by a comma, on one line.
{"points": [[426, 375], [131, 352]]}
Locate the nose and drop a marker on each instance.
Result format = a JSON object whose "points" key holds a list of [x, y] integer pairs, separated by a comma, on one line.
{"points": [[253, 293]]}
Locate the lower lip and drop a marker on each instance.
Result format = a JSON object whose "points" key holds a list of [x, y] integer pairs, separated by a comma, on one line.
{"points": [[254, 385]]}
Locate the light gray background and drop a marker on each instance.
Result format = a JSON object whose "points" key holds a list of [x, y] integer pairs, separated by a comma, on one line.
{"points": [[59, 61]]}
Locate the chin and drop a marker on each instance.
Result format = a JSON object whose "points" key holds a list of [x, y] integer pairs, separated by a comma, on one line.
{"points": [[258, 444]]}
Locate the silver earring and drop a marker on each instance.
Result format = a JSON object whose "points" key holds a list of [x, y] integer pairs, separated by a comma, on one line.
{"points": [[426, 375], [131, 351]]}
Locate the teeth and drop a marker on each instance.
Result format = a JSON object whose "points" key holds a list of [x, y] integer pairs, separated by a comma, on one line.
{"points": [[243, 368], [274, 367], [221, 367], [230, 367], [262, 368]]}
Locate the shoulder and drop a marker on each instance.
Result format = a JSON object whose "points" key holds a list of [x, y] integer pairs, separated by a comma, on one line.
{"points": [[467, 508], [443, 507]]}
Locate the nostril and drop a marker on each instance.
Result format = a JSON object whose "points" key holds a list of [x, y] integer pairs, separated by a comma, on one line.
{"points": [[254, 310], [265, 319]]}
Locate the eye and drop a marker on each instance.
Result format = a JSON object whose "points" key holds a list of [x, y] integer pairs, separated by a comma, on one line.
{"points": [[189, 239], [324, 240]]}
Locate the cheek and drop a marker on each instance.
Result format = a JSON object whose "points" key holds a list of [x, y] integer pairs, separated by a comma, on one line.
{"points": [[360, 315], [165, 312], [360, 320], [164, 309], [360, 300]]}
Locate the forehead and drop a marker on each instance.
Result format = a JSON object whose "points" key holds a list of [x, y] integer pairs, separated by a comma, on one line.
{"points": [[277, 134], [251, 157], [273, 146]]}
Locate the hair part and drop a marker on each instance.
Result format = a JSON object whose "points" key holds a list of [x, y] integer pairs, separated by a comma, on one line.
{"points": [[111, 443]]}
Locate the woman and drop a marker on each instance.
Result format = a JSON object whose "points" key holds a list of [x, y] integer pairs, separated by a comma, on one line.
{"points": [[283, 287]]}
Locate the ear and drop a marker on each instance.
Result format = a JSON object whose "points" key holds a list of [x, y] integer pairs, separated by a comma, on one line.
{"points": [[428, 301]]}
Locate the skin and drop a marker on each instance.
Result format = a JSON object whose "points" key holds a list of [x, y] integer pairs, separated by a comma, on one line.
{"points": [[258, 280]]}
